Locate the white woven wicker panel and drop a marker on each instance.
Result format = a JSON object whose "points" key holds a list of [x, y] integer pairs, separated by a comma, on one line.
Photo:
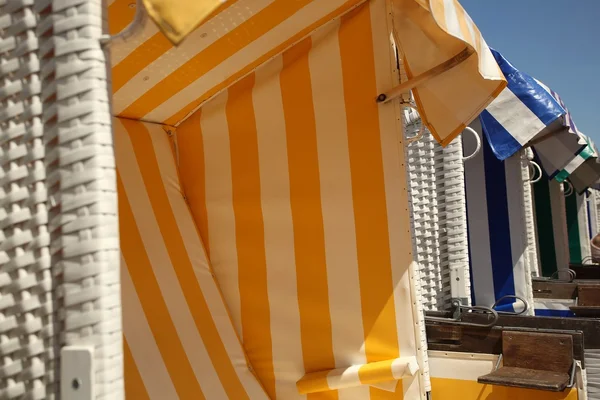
{"points": [[438, 213], [561, 233], [453, 209], [593, 212], [532, 251], [420, 329], [597, 202], [584, 232], [418, 289], [592, 368], [27, 338], [81, 184]]}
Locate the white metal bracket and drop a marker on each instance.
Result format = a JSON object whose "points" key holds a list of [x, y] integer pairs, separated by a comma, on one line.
{"points": [[77, 373], [458, 284]]}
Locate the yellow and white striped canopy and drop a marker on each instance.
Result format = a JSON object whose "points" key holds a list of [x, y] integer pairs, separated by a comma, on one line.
{"points": [[155, 81], [264, 215], [302, 248]]}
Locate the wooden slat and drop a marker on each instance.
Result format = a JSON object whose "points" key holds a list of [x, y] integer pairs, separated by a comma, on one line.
{"points": [[588, 295], [588, 326], [467, 339], [588, 300], [586, 311], [586, 271], [554, 290], [464, 339], [587, 281]]}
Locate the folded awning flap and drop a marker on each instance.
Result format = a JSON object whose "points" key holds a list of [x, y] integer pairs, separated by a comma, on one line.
{"points": [[584, 171], [587, 152], [568, 118], [523, 111], [428, 34], [581, 148], [454, 20], [529, 113], [377, 374], [558, 151]]}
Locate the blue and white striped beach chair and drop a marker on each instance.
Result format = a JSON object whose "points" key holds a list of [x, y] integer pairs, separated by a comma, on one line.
{"points": [[498, 244]]}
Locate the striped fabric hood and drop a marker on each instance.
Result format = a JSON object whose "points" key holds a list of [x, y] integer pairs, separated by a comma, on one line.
{"points": [[157, 82], [521, 112], [584, 170], [302, 243], [299, 263], [526, 112]]}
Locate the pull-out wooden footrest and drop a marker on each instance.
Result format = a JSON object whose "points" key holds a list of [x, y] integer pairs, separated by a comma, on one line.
{"points": [[542, 361], [527, 378]]}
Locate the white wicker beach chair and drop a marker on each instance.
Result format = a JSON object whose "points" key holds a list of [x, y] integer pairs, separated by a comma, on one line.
{"points": [[436, 189]]}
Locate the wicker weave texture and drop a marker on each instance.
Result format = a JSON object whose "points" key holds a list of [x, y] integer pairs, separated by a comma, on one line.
{"points": [[592, 369], [438, 213], [592, 199], [530, 229], [27, 338], [81, 186], [597, 203]]}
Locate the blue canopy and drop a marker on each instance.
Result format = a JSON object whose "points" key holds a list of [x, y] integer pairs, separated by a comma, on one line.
{"points": [[525, 112]]}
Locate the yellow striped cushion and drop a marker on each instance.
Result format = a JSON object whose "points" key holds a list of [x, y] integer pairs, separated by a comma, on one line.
{"points": [[294, 178], [179, 338]]}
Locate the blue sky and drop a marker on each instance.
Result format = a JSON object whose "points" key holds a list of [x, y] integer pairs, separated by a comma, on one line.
{"points": [[556, 41]]}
